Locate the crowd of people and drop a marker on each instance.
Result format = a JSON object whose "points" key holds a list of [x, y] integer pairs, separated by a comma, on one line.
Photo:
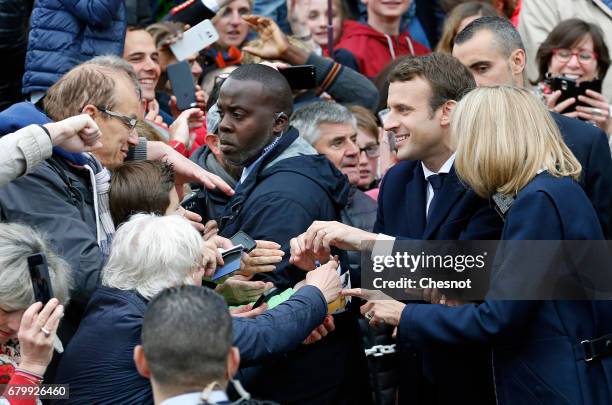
{"points": [[420, 120]]}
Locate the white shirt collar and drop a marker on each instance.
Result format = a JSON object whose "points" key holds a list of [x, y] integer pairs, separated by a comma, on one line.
{"points": [[196, 398], [446, 167]]}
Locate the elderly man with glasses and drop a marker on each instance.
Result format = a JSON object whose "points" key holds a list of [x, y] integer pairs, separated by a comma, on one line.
{"points": [[67, 195]]}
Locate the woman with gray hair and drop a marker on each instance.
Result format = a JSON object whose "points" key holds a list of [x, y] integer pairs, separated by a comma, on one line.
{"points": [[27, 330], [151, 253]]}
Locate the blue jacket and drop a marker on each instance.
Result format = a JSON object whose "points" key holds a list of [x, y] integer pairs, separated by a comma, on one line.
{"points": [[461, 376], [98, 363], [65, 33], [536, 350], [590, 146]]}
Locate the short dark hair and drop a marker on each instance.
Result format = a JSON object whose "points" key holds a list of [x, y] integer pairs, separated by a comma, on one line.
{"points": [[274, 83], [142, 186], [448, 78], [507, 38], [186, 337], [565, 35]]}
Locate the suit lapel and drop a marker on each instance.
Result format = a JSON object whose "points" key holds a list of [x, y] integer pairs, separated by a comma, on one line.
{"points": [[415, 203], [451, 191]]}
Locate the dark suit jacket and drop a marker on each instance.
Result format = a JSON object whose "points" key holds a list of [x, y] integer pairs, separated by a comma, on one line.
{"points": [[537, 355], [460, 215], [458, 376], [590, 146]]}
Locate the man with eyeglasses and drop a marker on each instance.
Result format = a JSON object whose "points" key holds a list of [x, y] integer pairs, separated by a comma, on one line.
{"points": [[492, 49], [67, 195]]}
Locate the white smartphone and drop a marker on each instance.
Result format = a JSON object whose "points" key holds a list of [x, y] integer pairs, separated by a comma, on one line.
{"points": [[194, 40]]}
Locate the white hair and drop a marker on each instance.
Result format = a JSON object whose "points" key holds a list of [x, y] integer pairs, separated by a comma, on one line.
{"points": [[150, 253], [308, 118], [17, 242]]}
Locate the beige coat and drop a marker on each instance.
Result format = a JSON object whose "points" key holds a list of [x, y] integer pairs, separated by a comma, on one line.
{"points": [[539, 17], [21, 151]]}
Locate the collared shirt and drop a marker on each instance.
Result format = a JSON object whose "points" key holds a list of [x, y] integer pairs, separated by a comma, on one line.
{"points": [[446, 167], [195, 398], [247, 170]]}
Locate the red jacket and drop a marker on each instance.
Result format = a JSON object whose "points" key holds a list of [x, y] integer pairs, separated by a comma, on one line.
{"points": [[373, 49]]}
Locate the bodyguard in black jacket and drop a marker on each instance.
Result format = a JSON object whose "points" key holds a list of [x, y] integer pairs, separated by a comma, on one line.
{"points": [[285, 186]]}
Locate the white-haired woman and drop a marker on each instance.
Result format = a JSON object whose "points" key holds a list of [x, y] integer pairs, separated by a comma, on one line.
{"points": [[543, 351], [27, 330], [151, 253]]}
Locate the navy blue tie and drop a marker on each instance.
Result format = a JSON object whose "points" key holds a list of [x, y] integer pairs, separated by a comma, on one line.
{"points": [[436, 181]]}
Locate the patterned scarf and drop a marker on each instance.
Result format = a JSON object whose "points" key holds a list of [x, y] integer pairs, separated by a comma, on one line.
{"points": [[100, 179], [222, 58]]}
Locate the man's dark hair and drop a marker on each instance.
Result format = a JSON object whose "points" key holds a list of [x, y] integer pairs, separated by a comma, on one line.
{"points": [[506, 37], [276, 86], [447, 77], [142, 186], [186, 337]]}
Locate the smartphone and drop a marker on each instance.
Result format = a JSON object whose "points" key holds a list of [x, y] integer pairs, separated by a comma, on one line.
{"points": [[266, 296], [569, 88], [301, 77], [183, 86], [241, 238], [231, 259], [194, 40], [41, 282]]}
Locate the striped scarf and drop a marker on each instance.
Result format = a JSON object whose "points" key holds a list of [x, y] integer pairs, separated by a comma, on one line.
{"points": [[100, 179]]}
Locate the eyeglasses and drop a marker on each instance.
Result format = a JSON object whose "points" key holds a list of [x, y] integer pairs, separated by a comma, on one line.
{"points": [[127, 121], [564, 55], [371, 151]]}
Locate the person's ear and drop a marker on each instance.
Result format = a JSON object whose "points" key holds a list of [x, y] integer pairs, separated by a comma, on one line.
{"points": [[447, 111], [212, 141], [233, 362], [518, 59], [90, 110], [281, 120], [141, 362]]}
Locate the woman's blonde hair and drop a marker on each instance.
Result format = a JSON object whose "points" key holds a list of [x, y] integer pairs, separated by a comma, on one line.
{"points": [[504, 136]]}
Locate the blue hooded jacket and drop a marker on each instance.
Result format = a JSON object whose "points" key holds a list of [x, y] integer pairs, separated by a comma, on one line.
{"points": [[65, 33]]}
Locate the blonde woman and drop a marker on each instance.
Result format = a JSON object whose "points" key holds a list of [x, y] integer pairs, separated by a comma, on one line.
{"points": [[507, 143]]}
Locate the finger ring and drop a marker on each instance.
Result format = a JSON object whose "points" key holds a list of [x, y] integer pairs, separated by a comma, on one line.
{"points": [[596, 111], [45, 332], [369, 315]]}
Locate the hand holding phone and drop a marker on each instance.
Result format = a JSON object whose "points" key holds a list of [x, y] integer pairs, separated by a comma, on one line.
{"points": [[183, 86], [301, 77], [194, 40], [41, 282], [570, 88]]}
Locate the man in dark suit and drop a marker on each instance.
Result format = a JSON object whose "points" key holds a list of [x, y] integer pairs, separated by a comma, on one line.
{"points": [[493, 51], [422, 198]]}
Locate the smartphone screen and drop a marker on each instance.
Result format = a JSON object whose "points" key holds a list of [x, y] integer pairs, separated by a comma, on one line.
{"points": [[302, 77], [183, 86], [41, 282], [241, 238]]}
